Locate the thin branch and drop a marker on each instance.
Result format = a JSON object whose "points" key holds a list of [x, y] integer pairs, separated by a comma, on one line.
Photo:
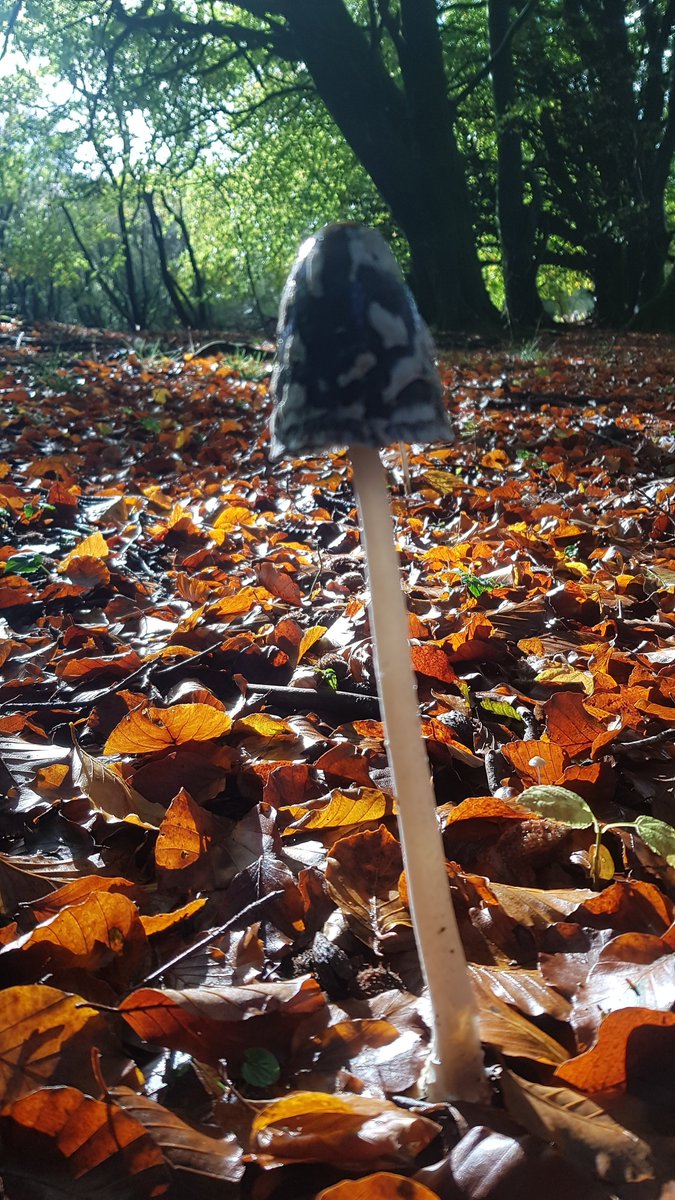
{"points": [[518, 21], [11, 25]]}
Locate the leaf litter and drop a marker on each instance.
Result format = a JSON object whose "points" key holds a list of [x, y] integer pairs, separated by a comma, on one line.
{"points": [[209, 975]]}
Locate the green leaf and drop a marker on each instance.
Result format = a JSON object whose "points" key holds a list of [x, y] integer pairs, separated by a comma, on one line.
{"points": [[24, 564], [475, 586], [558, 804], [501, 708], [659, 836], [328, 677], [260, 1067], [152, 424]]}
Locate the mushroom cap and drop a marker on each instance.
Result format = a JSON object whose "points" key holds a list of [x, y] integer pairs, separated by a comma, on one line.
{"points": [[355, 361]]}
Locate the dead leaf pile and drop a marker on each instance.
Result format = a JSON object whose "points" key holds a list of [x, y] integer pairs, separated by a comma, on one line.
{"points": [[209, 974]]}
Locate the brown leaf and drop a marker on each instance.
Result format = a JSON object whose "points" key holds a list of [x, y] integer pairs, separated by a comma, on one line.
{"points": [[585, 1132], [363, 879], [279, 583], [66, 1140], [501, 1026], [110, 794], [216, 1023], [352, 1132], [372, 1053], [344, 761], [193, 1155], [46, 1037]]}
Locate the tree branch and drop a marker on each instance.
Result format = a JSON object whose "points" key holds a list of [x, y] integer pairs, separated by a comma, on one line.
{"points": [[485, 70]]}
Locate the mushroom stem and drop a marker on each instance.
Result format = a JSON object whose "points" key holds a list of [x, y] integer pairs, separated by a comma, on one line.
{"points": [[455, 1067]]}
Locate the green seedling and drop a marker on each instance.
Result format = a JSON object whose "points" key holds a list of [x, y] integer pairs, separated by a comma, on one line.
{"points": [[476, 586], [567, 808], [260, 1067], [34, 510], [327, 677]]}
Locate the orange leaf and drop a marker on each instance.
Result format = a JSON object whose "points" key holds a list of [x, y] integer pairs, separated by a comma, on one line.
{"points": [[383, 1185], [137, 734], [94, 546], [569, 725], [104, 927], [605, 1064], [549, 770], [79, 1146], [367, 804], [186, 834], [309, 637], [145, 732], [345, 761], [363, 879], [432, 661], [478, 808], [192, 722], [46, 1037]]}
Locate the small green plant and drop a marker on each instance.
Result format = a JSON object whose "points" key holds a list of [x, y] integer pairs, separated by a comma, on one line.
{"points": [[328, 677], [251, 367], [567, 808], [532, 351], [530, 458], [260, 1067], [35, 510], [572, 552], [477, 586], [152, 424]]}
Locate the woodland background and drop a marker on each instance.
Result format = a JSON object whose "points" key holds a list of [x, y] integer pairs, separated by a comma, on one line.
{"points": [[160, 162]]}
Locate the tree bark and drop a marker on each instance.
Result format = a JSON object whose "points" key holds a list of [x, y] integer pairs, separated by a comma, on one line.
{"points": [[658, 314], [514, 216], [406, 142], [181, 304]]}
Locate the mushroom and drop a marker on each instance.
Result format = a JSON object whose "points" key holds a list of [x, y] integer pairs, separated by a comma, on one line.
{"points": [[355, 366]]}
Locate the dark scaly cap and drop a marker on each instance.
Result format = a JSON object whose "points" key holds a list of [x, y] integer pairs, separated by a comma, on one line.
{"points": [[355, 361]]}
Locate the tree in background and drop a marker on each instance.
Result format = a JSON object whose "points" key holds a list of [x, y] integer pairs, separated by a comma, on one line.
{"points": [[528, 137]]}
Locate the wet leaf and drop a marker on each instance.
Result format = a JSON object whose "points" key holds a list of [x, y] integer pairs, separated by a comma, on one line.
{"points": [[351, 1132]]}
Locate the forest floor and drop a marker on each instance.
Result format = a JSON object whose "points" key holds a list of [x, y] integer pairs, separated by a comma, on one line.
{"points": [[209, 978]]}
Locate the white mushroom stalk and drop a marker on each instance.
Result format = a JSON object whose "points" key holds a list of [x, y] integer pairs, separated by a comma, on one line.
{"points": [[355, 367]]}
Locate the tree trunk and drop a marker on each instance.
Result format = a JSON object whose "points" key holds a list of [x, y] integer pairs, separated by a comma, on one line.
{"points": [[658, 314], [181, 304], [406, 143], [514, 216], [136, 309]]}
